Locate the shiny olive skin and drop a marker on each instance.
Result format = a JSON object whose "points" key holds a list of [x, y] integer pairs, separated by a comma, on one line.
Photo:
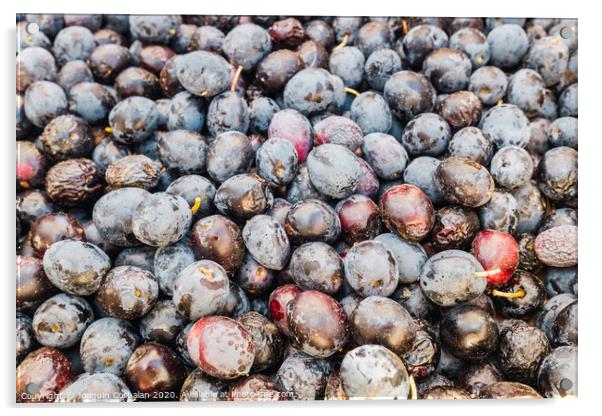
{"points": [[464, 182], [274, 71], [312, 220], [526, 305], [379, 320], [448, 278], [228, 155], [406, 210], [253, 278], [52, 227], [243, 196], [127, 292], [500, 213], [278, 304], [317, 323], [191, 187], [409, 94], [461, 109], [219, 239], [154, 369], [564, 329], [556, 375], [359, 217], [469, 332], [42, 374], [33, 287]]}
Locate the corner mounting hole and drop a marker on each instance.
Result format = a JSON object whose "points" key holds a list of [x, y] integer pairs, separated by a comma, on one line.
{"points": [[32, 28], [566, 32]]}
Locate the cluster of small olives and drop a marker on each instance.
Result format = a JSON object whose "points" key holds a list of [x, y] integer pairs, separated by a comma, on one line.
{"points": [[295, 208]]}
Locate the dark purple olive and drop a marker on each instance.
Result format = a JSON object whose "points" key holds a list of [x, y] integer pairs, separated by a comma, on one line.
{"points": [[76, 267], [469, 332], [107, 345], [155, 371], [312, 220], [127, 292], [61, 320], [464, 182], [317, 323], [32, 285], [41, 375], [52, 227], [379, 320], [317, 266], [267, 340], [201, 289], [517, 362], [219, 239]]}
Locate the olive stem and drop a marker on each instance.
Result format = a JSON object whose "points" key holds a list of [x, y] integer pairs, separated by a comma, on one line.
{"points": [[343, 42], [487, 273], [235, 78], [413, 393], [404, 26], [509, 295], [196, 206], [206, 272], [351, 91]]}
